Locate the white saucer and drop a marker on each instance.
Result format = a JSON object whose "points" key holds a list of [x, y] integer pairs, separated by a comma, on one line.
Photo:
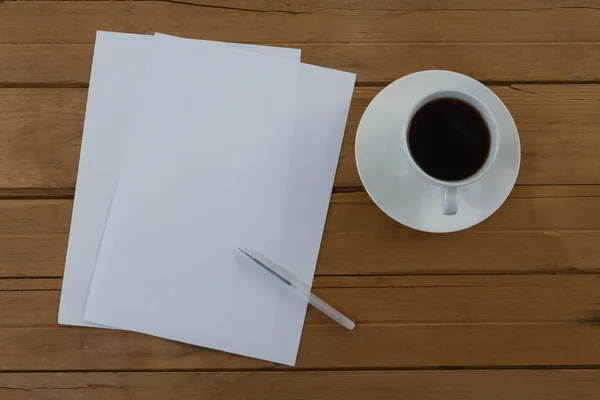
{"points": [[392, 183]]}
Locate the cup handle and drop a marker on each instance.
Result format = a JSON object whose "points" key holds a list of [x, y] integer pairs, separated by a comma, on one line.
{"points": [[450, 200]]}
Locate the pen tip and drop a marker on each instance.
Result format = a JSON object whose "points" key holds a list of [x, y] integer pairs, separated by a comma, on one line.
{"points": [[243, 251]]}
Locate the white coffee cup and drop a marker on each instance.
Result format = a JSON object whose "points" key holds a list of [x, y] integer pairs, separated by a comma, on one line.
{"points": [[450, 188]]}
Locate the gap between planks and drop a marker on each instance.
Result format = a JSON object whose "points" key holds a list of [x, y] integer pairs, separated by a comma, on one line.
{"points": [[359, 84], [340, 194], [301, 370]]}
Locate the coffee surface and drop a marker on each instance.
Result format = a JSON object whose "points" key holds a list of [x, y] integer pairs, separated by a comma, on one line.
{"points": [[449, 139]]}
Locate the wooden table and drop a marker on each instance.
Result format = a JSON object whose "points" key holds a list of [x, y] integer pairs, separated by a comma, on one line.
{"points": [[508, 310]]}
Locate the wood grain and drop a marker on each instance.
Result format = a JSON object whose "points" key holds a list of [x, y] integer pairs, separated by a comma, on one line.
{"points": [[69, 65], [41, 135], [516, 215], [400, 300], [322, 347], [383, 63], [507, 303], [558, 125], [75, 22], [527, 235], [384, 5], [38, 284], [398, 253], [555, 191], [464, 253], [565, 384]]}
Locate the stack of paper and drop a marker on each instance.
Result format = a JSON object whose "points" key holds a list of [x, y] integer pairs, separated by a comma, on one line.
{"points": [[193, 149]]}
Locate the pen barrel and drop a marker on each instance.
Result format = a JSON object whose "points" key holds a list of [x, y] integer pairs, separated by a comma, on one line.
{"points": [[330, 312], [300, 288]]}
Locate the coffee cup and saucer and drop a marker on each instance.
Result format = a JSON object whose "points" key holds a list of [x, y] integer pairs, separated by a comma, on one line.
{"points": [[437, 151]]}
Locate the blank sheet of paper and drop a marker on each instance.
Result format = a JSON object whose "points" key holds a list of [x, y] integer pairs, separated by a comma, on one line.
{"points": [[185, 201], [117, 68], [199, 160]]}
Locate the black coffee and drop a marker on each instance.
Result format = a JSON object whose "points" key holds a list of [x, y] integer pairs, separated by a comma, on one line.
{"points": [[449, 139]]}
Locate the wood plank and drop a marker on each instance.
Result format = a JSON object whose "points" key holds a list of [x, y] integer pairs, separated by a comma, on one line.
{"points": [[383, 63], [31, 65], [546, 215], [414, 253], [28, 284], [32, 256], [322, 347], [558, 124], [33, 236], [565, 384], [485, 321], [384, 5], [517, 5], [41, 136], [525, 236], [24, 308], [462, 299], [76, 22], [35, 217], [399, 300], [558, 128], [398, 253], [60, 64]]}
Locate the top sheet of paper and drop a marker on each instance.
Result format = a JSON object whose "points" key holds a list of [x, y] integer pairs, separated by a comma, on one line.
{"points": [[219, 180], [118, 65]]}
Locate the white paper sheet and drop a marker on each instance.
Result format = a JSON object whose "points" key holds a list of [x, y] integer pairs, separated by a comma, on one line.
{"points": [[168, 264], [118, 65]]}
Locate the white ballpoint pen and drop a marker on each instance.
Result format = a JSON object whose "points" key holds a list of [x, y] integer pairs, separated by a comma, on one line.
{"points": [[299, 287]]}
